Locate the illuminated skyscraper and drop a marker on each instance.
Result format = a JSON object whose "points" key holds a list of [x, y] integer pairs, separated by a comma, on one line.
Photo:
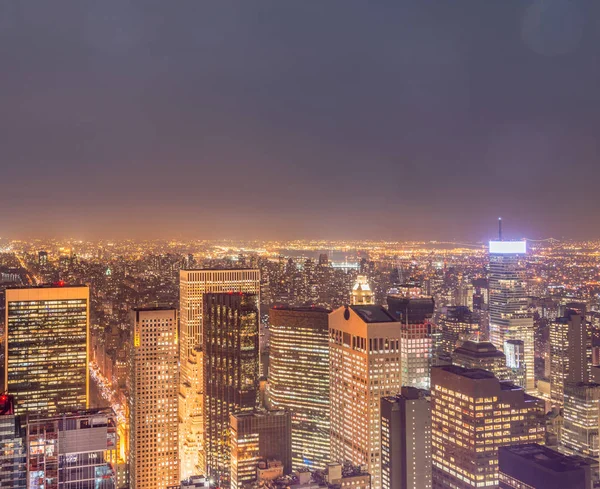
{"points": [[361, 292], [406, 440], [581, 410], [230, 346], [416, 344], [153, 388], [364, 359], [568, 353], [472, 415], [256, 437], [299, 379], [46, 346], [509, 315], [72, 450], [456, 325], [193, 284], [13, 454]]}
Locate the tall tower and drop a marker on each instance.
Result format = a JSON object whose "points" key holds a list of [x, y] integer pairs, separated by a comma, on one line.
{"points": [[192, 285], [406, 440], [364, 360], [568, 353], [509, 315], [230, 346], [153, 389], [299, 379], [46, 347], [416, 344], [472, 415]]}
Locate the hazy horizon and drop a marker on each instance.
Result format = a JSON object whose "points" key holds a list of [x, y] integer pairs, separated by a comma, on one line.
{"points": [[268, 120]]}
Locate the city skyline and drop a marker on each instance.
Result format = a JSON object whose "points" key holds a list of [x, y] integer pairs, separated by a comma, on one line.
{"points": [[282, 121]]}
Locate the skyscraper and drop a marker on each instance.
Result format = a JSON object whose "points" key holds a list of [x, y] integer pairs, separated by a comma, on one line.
{"points": [[364, 359], [46, 347], [299, 379], [472, 414], [568, 353], [406, 440], [259, 436], [416, 345], [153, 388], [13, 453], [457, 325], [230, 346], [581, 412], [192, 285], [72, 450], [509, 315]]}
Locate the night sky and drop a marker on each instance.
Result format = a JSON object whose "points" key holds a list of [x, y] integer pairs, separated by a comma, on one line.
{"points": [[300, 119]]}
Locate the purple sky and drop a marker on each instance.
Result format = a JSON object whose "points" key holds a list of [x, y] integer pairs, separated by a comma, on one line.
{"points": [[319, 119]]}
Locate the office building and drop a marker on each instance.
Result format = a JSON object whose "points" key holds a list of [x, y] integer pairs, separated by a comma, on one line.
{"points": [[230, 345], [193, 284], [42, 258], [46, 347], [533, 466], [153, 387], [508, 308], [299, 379], [457, 325], [568, 353], [581, 411], [364, 354], [72, 450], [483, 355], [514, 351], [472, 415], [406, 440], [416, 343], [361, 292], [256, 437], [13, 454]]}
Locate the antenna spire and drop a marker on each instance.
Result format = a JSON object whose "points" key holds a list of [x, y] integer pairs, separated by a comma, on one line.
{"points": [[499, 229]]}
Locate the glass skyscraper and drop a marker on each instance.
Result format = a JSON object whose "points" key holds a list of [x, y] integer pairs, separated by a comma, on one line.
{"points": [[46, 348], [230, 349], [299, 379], [509, 315]]}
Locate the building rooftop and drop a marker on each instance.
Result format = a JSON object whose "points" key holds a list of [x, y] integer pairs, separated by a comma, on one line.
{"points": [[373, 314], [470, 373], [285, 307], [547, 458], [480, 349]]}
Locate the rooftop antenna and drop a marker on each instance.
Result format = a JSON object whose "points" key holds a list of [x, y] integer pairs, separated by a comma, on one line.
{"points": [[499, 229]]}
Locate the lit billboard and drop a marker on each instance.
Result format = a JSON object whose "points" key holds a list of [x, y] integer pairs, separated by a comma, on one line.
{"points": [[508, 247]]}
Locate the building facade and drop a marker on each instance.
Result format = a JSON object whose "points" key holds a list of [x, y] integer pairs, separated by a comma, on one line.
{"points": [[472, 415], [72, 450], [13, 454], [508, 308], [364, 359], [483, 355], [416, 343], [46, 348], [231, 356], [153, 388], [299, 379], [568, 353], [193, 284], [406, 440], [259, 436], [581, 411]]}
